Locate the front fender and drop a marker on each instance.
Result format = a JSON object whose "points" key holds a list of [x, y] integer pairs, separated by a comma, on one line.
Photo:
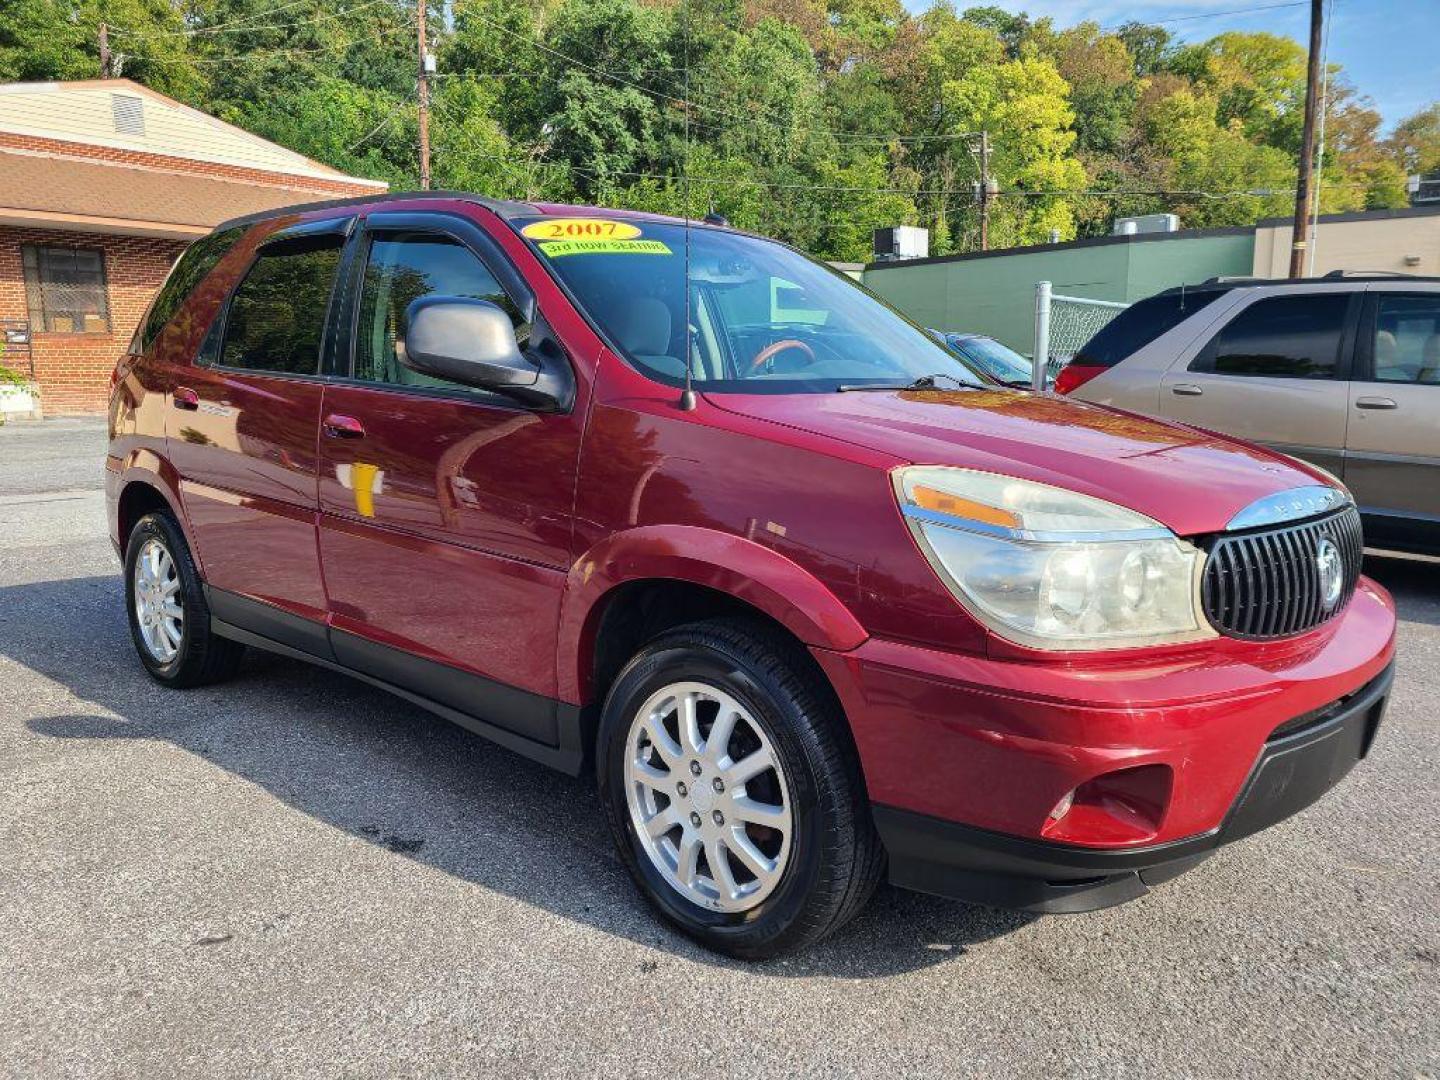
{"points": [[750, 572]]}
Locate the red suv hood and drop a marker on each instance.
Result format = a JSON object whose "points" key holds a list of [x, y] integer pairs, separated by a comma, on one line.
{"points": [[1189, 480]]}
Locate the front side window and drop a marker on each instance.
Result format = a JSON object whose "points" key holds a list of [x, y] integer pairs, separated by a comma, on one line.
{"points": [[400, 269], [276, 320], [749, 316], [65, 290], [1283, 337], [1407, 339]]}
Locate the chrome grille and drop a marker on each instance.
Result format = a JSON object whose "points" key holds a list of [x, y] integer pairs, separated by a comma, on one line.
{"points": [[1265, 583]]}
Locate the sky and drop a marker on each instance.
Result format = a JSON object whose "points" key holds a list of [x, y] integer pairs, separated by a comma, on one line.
{"points": [[1387, 47]]}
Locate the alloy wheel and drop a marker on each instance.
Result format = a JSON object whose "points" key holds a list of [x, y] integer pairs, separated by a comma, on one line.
{"points": [[707, 797], [158, 609]]}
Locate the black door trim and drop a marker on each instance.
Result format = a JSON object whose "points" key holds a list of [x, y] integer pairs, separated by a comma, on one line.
{"points": [[544, 729]]}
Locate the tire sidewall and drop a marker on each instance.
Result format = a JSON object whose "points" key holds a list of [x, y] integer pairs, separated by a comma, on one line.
{"points": [[674, 660], [158, 526]]}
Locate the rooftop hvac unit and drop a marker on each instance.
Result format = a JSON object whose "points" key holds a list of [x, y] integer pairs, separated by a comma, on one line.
{"points": [[1147, 223], [901, 242]]}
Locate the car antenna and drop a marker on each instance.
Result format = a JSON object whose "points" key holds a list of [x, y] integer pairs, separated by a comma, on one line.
{"points": [[687, 396]]}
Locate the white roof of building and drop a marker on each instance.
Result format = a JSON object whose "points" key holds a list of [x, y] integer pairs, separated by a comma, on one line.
{"points": [[124, 115]]}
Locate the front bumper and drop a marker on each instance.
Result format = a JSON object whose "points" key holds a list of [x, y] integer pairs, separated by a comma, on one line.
{"points": [[964, 757], [1295, 768]]}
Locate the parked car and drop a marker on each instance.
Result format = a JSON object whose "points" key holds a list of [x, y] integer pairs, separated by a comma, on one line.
{"points": [[1000, 362], [1343, 371], [815, 602]]}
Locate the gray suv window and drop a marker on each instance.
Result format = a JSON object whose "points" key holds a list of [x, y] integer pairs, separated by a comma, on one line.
{"points": [[1407, 339], [1282, 337]]}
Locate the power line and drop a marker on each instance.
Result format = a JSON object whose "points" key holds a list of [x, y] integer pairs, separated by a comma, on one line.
{"points": [[248, 23], [258, 54], [660, 95], [1204, 15]]}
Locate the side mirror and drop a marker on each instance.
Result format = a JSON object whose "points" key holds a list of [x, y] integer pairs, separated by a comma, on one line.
{"points": [[472, 342]]}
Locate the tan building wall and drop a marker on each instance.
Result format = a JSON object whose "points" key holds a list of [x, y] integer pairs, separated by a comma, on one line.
{"points": [[1377, 240]]}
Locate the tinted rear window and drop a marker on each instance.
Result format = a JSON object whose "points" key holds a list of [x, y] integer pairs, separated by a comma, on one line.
{"points": [[1140, 324]]}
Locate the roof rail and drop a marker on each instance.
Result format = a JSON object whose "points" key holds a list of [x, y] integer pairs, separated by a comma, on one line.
{"points": [[1333, 274]]}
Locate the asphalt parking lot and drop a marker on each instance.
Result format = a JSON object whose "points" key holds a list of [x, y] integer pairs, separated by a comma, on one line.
{"points": [[296, 874]]}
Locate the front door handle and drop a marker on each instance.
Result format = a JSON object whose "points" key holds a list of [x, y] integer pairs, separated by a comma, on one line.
{"points": [[1375, 403], [185, 398], [1186, 389], [337, 426]]}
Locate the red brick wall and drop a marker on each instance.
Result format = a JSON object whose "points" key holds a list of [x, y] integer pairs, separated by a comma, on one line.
{"points": [[74, 369]]}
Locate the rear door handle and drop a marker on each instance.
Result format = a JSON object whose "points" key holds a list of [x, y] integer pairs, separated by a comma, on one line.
{"points": [[185, 398], [337, 426], [1186, 389], [1375, 403]]}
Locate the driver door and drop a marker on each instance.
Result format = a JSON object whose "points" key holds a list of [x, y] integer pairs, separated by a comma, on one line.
{"points": [[445, 511]]}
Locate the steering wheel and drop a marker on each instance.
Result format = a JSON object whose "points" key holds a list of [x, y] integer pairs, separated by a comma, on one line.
{"points": [[772, 350]]}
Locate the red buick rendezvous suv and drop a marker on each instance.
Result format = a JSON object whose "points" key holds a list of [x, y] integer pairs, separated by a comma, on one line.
{"points": [[815, 601]]}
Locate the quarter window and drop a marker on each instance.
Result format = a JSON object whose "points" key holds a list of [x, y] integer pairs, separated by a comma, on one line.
{"points": [[194, 264], [1407, 339], [65, 290], [400, 269], [276, 320], [1284, 337]]}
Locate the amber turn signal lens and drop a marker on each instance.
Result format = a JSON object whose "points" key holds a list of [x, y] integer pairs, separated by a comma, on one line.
{"points": [[942, 502]]}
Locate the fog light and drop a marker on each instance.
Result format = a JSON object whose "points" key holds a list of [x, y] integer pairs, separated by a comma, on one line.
{"points": [[1122, 807], [1063, 806]]}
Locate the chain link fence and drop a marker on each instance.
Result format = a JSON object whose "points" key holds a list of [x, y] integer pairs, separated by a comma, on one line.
{"points": [[1063, 324]]}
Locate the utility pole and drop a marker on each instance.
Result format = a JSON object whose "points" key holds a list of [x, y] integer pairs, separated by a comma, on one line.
{"points": [[1307, 145], [984, 191], [425, 66], [107, 68]]}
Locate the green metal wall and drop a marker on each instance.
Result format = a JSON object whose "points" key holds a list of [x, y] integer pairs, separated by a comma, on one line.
{"points": [[995, 294]]}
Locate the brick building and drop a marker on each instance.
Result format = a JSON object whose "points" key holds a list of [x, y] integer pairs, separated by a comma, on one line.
{"points": [[102, 184]]}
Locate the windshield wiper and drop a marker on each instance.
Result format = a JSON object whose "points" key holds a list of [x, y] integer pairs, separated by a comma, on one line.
{"points": [[925, 382]]}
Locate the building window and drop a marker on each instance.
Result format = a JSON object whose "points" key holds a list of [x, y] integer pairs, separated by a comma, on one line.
{"points": [[65, 288]]}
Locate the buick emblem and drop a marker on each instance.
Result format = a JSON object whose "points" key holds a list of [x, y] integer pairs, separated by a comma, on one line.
{"points": [[1330, 572]]}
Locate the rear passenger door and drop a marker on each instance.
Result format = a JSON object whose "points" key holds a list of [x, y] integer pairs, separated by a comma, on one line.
{"points": [[1275, 373], [241, 430], [1393, 449]]}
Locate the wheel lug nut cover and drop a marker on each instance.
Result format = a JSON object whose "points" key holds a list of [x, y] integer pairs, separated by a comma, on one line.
{"points": [[719, 818], [694, 768], [682, 789], [694, 818], [718, 785]]}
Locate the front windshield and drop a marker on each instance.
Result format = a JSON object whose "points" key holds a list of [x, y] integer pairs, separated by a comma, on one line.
{"points": [[995, 359], [762, 318]]}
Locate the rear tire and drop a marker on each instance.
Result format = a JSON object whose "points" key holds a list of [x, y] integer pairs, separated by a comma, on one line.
{"points": [[773, 861], [169, 618]]}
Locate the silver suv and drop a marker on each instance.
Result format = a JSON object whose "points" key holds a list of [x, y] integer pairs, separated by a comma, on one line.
{"points": [[1343, 371]]}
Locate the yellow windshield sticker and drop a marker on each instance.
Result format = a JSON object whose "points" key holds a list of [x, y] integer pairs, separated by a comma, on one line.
{"points": [[575, 228], [556, 248]]}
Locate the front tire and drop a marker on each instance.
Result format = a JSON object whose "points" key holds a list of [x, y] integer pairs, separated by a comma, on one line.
{"points": [[169, 618], [733, 789]]}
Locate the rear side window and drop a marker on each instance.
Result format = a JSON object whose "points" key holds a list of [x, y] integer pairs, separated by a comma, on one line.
{"points": [[276, 320], [1139, 324], [194, 264], [1284, 337]]}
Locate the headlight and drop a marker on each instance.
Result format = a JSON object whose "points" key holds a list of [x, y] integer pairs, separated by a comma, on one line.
{"points": [[1051, 568]]}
